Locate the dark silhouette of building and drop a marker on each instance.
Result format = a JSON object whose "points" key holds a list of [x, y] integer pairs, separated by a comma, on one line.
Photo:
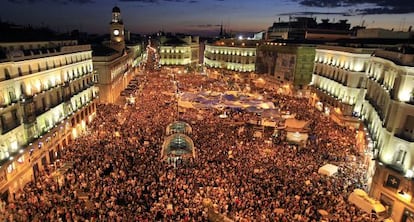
{"points": [[299, 28]]}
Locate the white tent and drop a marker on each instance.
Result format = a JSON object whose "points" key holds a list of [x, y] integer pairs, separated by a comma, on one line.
{"points": [[297, 137], [185, 104], [328, 169]]}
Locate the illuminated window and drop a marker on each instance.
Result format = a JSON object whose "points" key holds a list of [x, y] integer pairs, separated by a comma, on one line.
{"points": [[10, 168], [399, 156], [21, 159]]}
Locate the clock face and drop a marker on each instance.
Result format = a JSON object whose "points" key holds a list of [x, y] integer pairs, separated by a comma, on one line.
{"points": [[116, 32]]}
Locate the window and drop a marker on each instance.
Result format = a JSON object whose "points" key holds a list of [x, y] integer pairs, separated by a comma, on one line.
{"points": [[10, 168], [19, 70], [6, 73], [399, 157], [12, 94], [387, 202], [407, 216]]}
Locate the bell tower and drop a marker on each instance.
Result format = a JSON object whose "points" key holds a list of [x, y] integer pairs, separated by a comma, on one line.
{"points": [[117, 30]]}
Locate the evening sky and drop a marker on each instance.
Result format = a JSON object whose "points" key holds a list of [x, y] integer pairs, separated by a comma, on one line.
{"points": [[202, 16]]}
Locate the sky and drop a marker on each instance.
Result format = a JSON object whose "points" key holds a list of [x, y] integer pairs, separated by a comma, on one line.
{"points": [[202, 16]]}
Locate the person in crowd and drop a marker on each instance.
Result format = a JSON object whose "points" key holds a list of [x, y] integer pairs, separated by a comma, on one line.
{"points": [[118, 174]]}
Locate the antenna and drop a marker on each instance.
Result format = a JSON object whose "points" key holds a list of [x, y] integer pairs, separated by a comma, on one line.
{"points": [[403, 24], [361, 21]]}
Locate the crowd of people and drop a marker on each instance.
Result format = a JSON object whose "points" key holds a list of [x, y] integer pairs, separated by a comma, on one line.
{"points": [[118, 175]]}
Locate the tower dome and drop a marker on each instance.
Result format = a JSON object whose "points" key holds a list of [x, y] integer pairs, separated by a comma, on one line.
{"points": [[116, 9]]}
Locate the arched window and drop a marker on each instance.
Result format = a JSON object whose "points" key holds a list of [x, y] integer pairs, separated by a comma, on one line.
{"points": [[19, 70], [400, 155], [6, 73]]}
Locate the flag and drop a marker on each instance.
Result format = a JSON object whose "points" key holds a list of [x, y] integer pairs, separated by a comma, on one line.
{"points": [[392, 181]]}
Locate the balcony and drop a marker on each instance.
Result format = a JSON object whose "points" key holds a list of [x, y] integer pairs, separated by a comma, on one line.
{"points": [[404, 136], [66, 98], [29, 118], [28, 106], [53, 104], [26, 99], [411, 101], [8, 105], [7, 127], [376, 107], [40, 111]]}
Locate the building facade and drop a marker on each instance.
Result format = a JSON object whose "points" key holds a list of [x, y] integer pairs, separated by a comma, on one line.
{"points": [[47, 97], [181, 51], [117, 30], [388, 112], [231, 54], [339, 79], [300, 28], [377, 86], [113, 71], [113, 63]]}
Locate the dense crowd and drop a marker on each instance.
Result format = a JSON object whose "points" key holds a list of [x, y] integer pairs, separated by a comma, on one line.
{"points": [[117, 173]]}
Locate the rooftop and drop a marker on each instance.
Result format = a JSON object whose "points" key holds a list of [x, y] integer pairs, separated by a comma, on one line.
{"points": [[174, 41], [403, 55], [101, 50], [237, 43]]}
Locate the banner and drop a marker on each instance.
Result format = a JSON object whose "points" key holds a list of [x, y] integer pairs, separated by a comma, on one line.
{"points": [[392, 181]]}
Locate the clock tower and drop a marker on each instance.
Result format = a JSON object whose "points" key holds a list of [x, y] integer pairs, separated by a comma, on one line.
{"points": [[117, 30]]}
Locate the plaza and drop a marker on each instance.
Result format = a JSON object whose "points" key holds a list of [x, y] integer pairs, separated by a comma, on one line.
{"points": [[313, 123], [117, 171]]}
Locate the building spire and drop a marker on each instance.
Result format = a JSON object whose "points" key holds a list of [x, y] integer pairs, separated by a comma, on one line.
{"points": [[221, 29]]}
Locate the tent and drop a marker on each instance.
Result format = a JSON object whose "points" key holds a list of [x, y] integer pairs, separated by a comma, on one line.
{"points": [[328, 169], [271, 113], [185, 104], [267, 105], [229, 97], [254, 109], [296, 137], [268, 123]]}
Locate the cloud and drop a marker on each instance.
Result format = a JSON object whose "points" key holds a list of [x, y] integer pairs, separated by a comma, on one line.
{"points": [[54, 1], [315, 13], [375, 6], [158, 1], [206, 25]]}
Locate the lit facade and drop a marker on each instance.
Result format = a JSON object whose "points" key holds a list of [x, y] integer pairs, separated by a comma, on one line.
{"points": [[389, 115], [377, 86], [113, 63], [113, 73], [231, 54], [117, 30], [47, 97], [339, 78], [179, 51]]}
